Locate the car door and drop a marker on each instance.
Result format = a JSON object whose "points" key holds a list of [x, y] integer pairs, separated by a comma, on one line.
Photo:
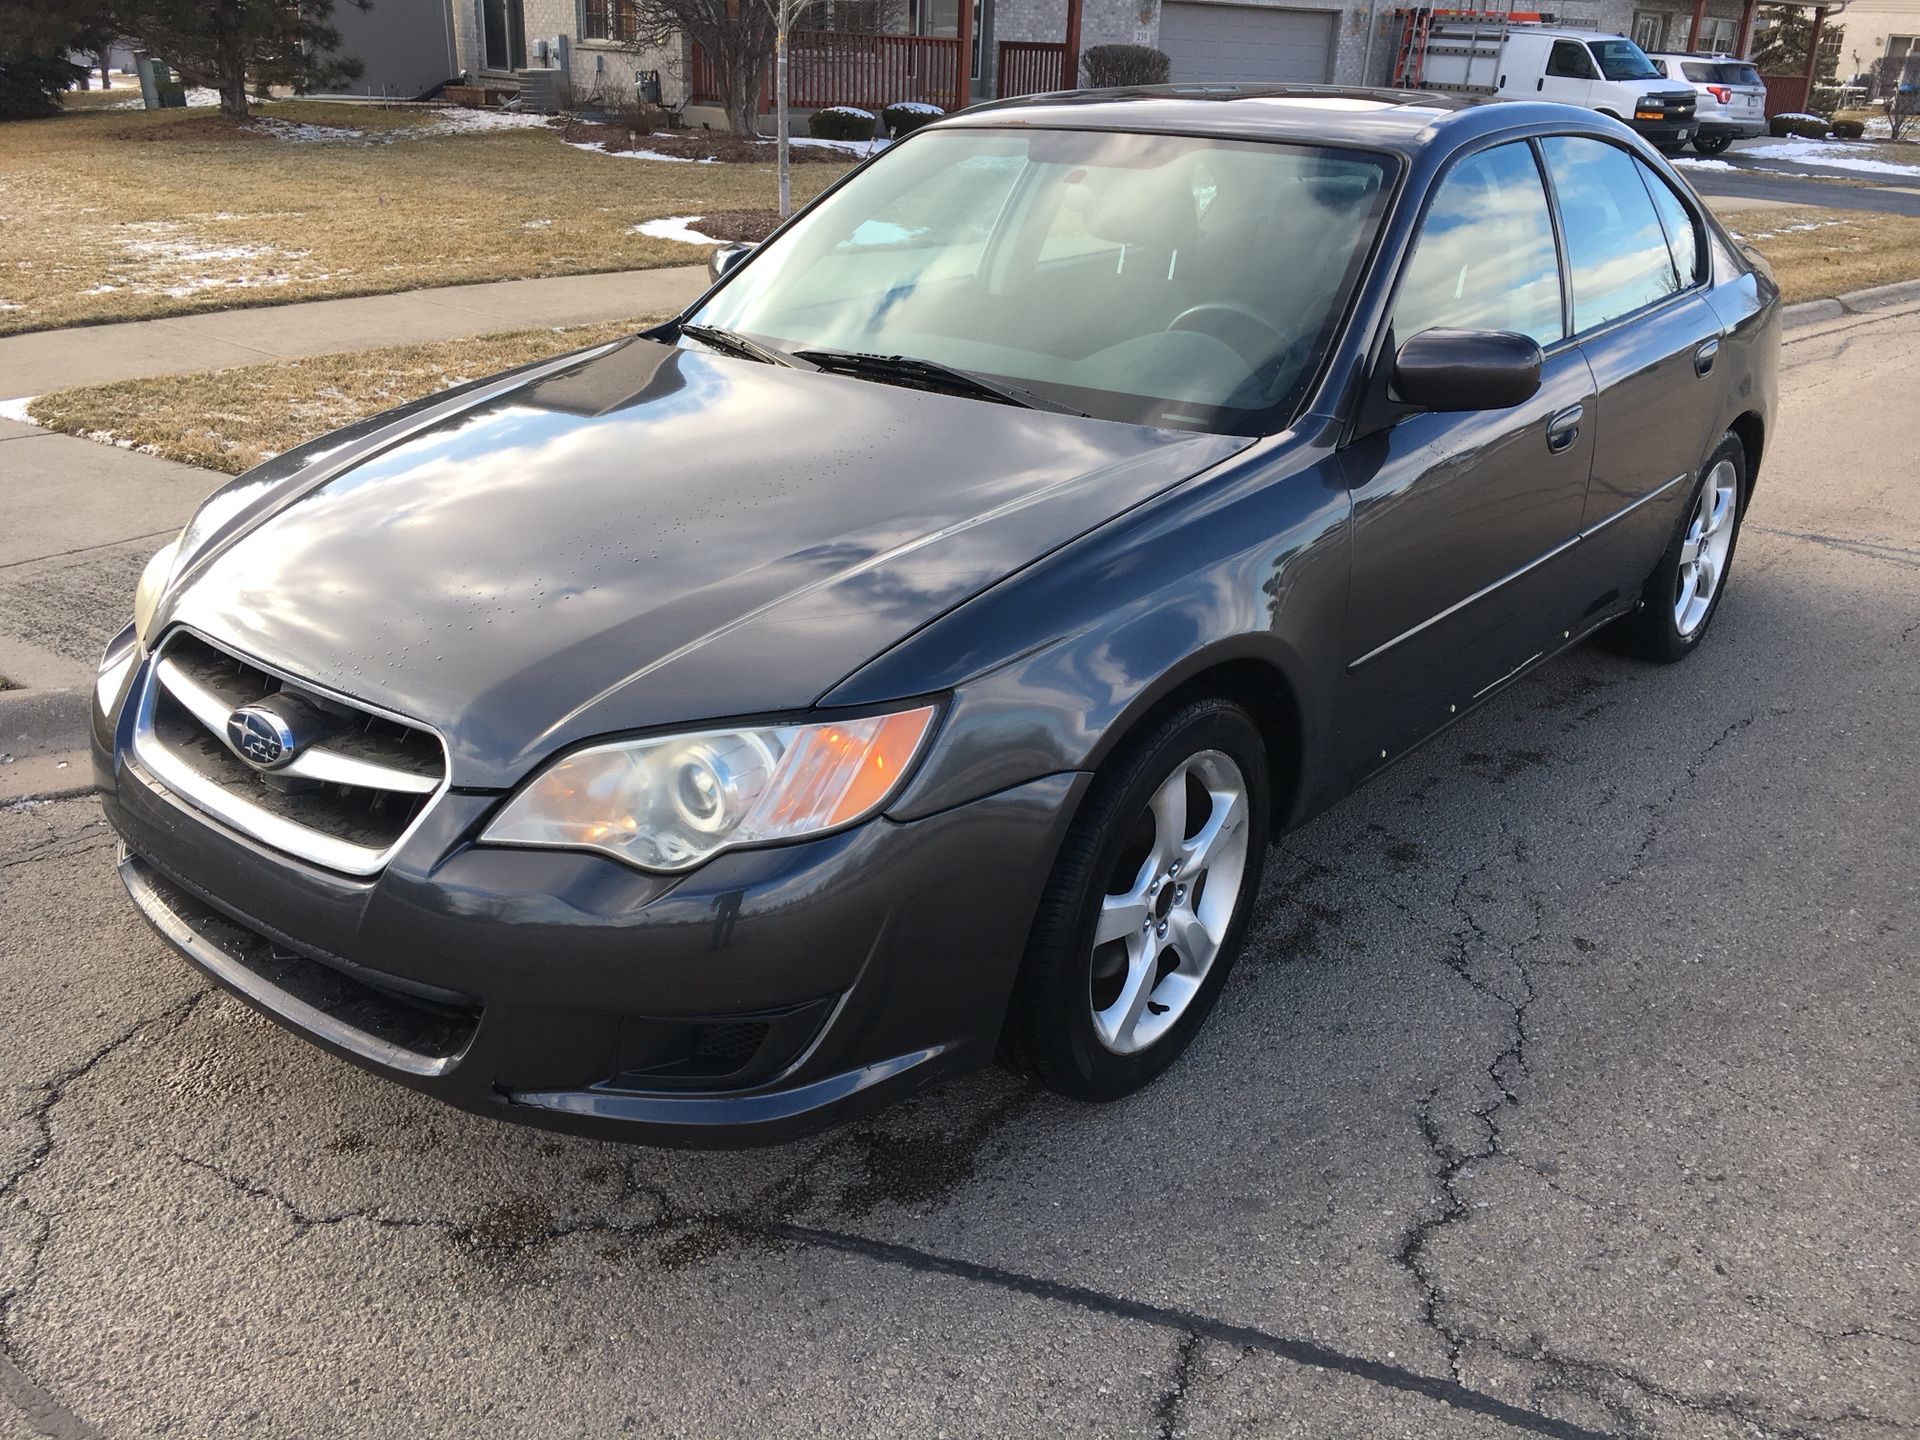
{"points": [[1460, 519], [1570, 74], [1637, 277]]}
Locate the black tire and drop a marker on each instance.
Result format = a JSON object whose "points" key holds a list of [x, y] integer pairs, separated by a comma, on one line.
{"points": [[1651, 631], [1050, 1030], [1711, 144]]}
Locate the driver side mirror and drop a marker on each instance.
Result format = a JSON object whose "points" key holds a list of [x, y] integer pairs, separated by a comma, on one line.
{"points": [[1467, 370], [726, 259]]}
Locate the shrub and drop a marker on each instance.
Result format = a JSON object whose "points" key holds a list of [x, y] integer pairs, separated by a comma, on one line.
{"points": [[1798, 122], [903, 117], [31, 85], [841, 122], [1849, 129], [1106, 66]]}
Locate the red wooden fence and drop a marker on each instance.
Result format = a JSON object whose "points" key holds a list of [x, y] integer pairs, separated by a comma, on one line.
{"points": [[1031, 67], [838, 67], [1785, 93]]}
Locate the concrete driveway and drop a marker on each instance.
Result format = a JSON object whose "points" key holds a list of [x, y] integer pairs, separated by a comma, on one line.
{"points": [[1568, 1087]]}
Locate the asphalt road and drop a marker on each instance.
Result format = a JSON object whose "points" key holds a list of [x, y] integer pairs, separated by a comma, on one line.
{"points": [[1568, 1088]]}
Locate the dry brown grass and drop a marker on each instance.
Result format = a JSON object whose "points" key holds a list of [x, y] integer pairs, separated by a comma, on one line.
{"points": [[1816, 253], [125, 214], [233, 419]]}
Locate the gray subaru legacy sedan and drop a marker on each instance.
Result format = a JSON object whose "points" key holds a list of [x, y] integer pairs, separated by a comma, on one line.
{"points": [[904, 656]]}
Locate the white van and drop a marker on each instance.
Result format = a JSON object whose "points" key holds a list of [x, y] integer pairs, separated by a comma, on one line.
{"points": [[1588, 68]]}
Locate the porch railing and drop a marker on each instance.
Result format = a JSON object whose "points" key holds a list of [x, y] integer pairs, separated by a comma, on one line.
{"points": [[837, 67], [1031, 67]]}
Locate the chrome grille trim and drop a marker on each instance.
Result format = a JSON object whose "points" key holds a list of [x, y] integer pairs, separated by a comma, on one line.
{"points": [[319, 764]]}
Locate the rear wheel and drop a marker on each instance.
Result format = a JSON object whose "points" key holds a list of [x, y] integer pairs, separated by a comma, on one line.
{"points": [[1711, 144], [1683, 594], [1143, 915]]}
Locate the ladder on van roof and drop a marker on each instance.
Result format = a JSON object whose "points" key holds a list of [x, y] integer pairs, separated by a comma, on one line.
{"points": [[1464, 37]]}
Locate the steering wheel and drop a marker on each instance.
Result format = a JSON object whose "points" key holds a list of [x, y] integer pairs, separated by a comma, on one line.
{"points": [[1254, 337]]}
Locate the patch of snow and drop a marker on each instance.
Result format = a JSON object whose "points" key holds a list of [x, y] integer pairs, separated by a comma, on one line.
{"points": [[11, 305], [674, 227], [593, 149], [453, 120], [17, 409], [1694, 164], [164, 257], [535, 224], [1834, 154], [1787, 229], [294, 133], [100, 290], [846, 147], [916, 107], [852, 112]]}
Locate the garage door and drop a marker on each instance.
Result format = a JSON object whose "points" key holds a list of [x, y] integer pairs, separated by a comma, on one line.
{"points": [[1247, 42]]}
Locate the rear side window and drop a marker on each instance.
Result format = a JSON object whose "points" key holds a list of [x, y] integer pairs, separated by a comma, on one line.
{"points": [[1616, 247], [1569, 61], [1682, 239], [1740, 75], [1702, 72], [1484, 259]]}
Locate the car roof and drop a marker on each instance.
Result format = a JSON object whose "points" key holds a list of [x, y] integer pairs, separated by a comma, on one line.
{"points": [[1400, 120]]}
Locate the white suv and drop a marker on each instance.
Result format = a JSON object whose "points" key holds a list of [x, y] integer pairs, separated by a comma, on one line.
{"points": [[1733, 98]]}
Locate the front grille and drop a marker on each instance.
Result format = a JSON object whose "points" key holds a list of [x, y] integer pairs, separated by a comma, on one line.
{"points": [[356, 781]]}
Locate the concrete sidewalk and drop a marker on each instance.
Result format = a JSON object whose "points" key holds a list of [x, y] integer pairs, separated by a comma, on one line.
{"points": [[94, 354]]}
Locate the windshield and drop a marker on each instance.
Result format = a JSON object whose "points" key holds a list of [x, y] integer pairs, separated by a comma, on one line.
{"points": [[1162, 280], [1623, 60]]}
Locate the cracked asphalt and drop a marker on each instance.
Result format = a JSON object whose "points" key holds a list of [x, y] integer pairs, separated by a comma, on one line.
{"points": [[1568, 1087]]}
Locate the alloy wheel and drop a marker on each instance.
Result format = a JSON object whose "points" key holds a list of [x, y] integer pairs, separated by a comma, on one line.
{"points": [[1169, 902], [1703, 553]]}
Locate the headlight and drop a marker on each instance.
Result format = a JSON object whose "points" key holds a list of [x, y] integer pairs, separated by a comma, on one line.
{"points": [[153, 580], [671, 803]]}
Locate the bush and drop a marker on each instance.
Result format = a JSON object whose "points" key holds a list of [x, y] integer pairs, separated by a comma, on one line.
{"points": [[1107, 66], [1849, 129], [31, 85], [841, 122], [903, 117], [1798, 122]]}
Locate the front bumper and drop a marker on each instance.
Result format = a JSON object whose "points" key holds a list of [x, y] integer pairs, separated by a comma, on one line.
{"points": [[764, 996], [1664, 132]]}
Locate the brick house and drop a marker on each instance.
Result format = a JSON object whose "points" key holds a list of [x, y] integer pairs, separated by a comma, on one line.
{"points": [[871, 52]]}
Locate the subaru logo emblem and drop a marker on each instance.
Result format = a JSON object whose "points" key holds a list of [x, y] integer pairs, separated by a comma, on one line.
{"points": [[260, 737]]}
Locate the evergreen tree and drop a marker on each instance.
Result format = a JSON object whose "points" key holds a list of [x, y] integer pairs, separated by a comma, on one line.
{"points": [[228, 44]]}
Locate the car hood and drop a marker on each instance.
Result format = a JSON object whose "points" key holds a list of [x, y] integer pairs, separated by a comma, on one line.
{"points": [[646, 536]]}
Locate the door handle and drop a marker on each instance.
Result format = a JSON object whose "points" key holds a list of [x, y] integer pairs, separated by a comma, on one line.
{"points": [[1563, 429], [1704, 357]]}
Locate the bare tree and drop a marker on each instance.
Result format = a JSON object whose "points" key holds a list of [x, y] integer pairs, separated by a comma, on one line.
{"points": [[1896, 79], [736, 37]]}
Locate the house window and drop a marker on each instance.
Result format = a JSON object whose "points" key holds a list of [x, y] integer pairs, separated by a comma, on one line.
{"points": [[1898, 45], [1718, 36], [616, 20], [1650, 31], [504, 27]]}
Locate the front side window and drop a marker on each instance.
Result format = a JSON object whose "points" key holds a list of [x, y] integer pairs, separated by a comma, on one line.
{"points": [[1623, 60], [1568, 60], [1168, 280], [1484, 259], [1617, 251]]}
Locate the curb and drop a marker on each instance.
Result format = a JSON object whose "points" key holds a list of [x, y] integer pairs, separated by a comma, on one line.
{"points": [[1855, 302]]}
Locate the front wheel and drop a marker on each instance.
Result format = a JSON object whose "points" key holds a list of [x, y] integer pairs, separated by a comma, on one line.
{"points": [[1711, 144], [1143, 914], [1683, 594]]}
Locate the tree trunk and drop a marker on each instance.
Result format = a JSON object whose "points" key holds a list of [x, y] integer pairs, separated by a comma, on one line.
{"points": [[233, 95], [780, 105], [740, 91], [230, 64]]}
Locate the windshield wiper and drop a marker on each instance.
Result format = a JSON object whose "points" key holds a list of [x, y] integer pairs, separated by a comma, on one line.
{"points": [[734, 343], [930, 375]]}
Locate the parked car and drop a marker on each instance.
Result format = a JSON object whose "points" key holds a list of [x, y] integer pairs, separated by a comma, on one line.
{"points": [[906, 654], [1596, 71], [1732, 102]]}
